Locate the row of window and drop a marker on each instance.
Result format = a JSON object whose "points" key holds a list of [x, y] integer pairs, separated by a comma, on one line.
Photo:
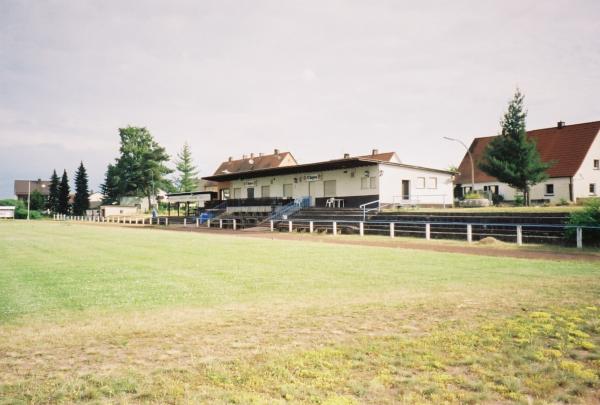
{"points": [[430, 183], [550, 189]]}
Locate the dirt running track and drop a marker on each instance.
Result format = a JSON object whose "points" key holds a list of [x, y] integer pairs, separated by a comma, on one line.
{"points": [[475, 249]]}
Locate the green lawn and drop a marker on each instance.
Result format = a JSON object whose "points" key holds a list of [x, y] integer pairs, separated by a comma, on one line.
{"points": [[92, 313]]}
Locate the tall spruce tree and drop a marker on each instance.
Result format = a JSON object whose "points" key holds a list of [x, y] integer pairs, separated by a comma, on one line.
{"points": [[512, 157], [53, 193], [186, 179], [63, 194], [81, 201], [110, 187]]}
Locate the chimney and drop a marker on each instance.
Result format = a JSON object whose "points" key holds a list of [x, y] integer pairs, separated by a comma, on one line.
{"points": [[244, 157], [260, 154], [230, 158], [276, 151], [346, 155], [375, 152], [560, 124], [251, 155]]}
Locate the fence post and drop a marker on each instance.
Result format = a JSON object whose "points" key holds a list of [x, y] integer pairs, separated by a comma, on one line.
{"points": [[184, 222], [208, 223], [221, 223], [519, 235], [272, 226], [290, 226], [361, 228], [428, 231], [579, 237], [392, 229], [334, 228], [469, 233], [311, 227], [197, 222], [234, 224], [167, 221]]}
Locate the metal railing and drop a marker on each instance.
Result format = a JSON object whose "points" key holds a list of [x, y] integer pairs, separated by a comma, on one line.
{"points": [[365, 209]]}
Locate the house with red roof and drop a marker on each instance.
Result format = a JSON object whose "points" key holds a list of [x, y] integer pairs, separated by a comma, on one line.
{"points": [[574, 151]]}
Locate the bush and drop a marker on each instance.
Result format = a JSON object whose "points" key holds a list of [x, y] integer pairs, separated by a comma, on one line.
{"points": [[497, 199], [589, 216], [473, 195], [562, 202], [519, 200], [21, 209]]}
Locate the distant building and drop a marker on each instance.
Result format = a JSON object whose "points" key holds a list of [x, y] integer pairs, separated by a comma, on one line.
{"points": [[575, 174], [22, 188], [247, 163]]}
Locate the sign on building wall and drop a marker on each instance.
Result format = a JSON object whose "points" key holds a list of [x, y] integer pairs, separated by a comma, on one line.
{"points": [[312, 177]]}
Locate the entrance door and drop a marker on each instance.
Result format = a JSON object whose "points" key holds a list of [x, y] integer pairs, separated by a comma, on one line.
{"points": [[250, 192], [313, 190], [406, 189]]}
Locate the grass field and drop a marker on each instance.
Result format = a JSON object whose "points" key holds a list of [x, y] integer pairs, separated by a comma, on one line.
{"points": [[98, 314]]}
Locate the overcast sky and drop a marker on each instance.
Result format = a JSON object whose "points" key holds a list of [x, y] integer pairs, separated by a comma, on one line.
{"points": [[317, 78]]}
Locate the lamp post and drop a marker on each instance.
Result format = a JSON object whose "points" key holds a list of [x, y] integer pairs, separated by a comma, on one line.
{"points": [[29, 197], [470, 158]]}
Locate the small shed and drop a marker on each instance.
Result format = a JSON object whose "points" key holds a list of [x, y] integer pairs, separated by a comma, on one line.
{"points": [[118, 210], [7, 212]]}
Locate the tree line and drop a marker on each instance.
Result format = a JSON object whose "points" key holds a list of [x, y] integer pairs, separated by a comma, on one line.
{"points": [[59, 193], [140, 170]]}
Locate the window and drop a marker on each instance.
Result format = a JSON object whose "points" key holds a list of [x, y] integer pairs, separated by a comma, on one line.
{"points": [[364, 183], [432, 183], [596, 164], [593, 188], [549, 189], [288, 190], [373, 181], [225, 194], [329, 188], [265, 191], [237, 193], [420, 182]]}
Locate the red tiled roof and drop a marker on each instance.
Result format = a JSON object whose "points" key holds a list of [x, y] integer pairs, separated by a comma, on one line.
{"points": [[253, 163], [566, 147], [384, 157]]}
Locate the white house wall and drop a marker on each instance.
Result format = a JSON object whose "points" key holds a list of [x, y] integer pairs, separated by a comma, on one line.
{"points": [[537, 192], [390, 186], [586, 174], [348, 183]]}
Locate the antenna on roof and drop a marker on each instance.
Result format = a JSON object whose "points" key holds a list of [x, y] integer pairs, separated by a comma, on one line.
{"points": [[560, 124]]}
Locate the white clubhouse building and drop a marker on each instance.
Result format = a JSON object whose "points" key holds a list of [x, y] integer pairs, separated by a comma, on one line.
{"points": [[347, 182]]}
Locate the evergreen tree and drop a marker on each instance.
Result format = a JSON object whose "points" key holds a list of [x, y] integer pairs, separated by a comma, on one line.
{"points": [[63, 194], [110, 187], [81, 201], [53, 193], [186, 181], [511, 157]]}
